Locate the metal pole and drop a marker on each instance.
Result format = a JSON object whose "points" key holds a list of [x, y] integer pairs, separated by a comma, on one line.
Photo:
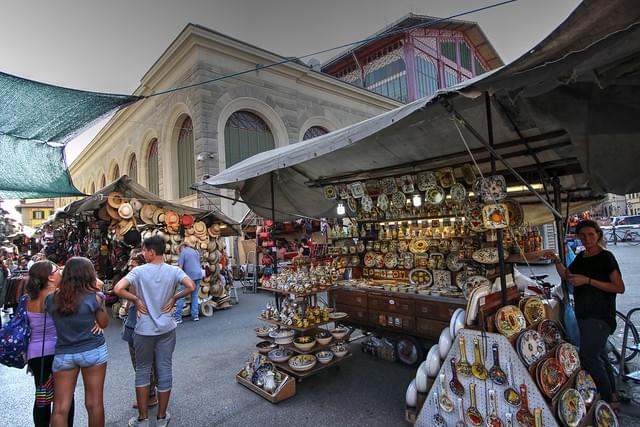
{"points": [[557, 201], [499, 233], [273, 222]]}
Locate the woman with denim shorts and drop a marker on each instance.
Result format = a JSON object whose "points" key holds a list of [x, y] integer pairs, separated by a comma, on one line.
{"points": [[77, 309]]}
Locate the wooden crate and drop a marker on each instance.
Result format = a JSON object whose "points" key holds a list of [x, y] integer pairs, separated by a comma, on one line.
{"points": [[286, 390]]}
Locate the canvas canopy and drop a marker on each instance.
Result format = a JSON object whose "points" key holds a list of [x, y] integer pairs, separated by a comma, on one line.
{"points": [[567, 108], [131, 189], [36, 121]]}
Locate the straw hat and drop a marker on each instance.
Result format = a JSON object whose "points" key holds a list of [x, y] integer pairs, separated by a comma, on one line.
{"points": [[112, 212], [206, 309], [171, 218], [216, 290], [212, 245], [214, 257], [187, 220], [191, 241], [200, 228], [214, 230], [114, 199], [146, 213], [158, 216], [135, 204], [125, 210], [123, 227], [176, 238]]}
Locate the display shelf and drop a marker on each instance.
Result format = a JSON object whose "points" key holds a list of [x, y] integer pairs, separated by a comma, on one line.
{"points": [[315, 348], [297, 295], [410, 219], [284, 366], [295, 328]]}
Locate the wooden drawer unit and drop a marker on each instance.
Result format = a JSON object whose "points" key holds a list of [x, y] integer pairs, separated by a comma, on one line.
{"points": [[392, 321], [391, 304], [352, 298], [356, 314], [435, 310], [429, 328]]}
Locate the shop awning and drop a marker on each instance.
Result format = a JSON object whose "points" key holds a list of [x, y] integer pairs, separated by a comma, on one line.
{"points": [[568, 109], [36, 121], [131, 189]]}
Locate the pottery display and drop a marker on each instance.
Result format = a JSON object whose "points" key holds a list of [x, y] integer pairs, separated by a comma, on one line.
{"points": [[421, 377], [302, 362], [571, 408], [411, 396], [444, 343], [324, 356], [586, 386], [433, 361], [510, 320], [530, 347], [604, 415]]}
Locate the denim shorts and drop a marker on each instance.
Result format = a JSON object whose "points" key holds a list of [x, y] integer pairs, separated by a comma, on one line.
{"points": [[85, 359]]}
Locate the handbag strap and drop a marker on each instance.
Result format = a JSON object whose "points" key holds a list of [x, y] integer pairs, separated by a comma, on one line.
{"points": [[44, 332]]}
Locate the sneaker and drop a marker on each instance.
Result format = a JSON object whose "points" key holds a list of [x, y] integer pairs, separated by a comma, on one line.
{"points": [[178, 321], [163, 422], [195, 319], [135, 422]]}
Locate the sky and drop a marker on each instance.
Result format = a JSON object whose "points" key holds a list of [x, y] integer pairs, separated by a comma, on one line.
{"points": [[107, 46]]}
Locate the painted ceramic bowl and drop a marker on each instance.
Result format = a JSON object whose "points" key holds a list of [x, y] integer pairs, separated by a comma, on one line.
{"points": [[265, 346], [279, 355], [304, 343], [323, 337], [324, 356], [339, 349], [302, 362], [339, 333]]}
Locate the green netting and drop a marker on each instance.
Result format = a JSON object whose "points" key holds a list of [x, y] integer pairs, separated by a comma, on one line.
{"points": [[36, 120]]}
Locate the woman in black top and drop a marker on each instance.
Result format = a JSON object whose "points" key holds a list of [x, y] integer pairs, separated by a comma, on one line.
{"points": [[595, 274]]}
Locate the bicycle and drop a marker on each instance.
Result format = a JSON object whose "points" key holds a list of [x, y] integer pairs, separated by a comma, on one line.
{"points": [[616, 235], [614, 342]]}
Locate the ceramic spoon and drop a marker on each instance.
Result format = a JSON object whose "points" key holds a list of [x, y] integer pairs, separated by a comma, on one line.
{"points": [[509, 417], [445, 403], [455, 385], [496, 373], [461, 422], [494, 419], [438, 420], [474, 416], [463, 366], [511, 394], [537, 415], [524, 416], [477, 369]]}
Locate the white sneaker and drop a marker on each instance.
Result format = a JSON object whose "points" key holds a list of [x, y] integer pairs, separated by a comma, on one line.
{"points": [[135, 422], [164, 422]]}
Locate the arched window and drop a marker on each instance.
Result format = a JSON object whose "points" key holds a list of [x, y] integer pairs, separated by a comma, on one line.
{"points": [[186, 159], [103, 181], [426, 76], [314, 131], [245, 135], [133, 168], [92, 188], [153, 176], [116, 173]]}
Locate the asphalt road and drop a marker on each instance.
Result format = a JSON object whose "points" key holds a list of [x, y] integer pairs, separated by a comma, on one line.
{"points": [[363, 391]]}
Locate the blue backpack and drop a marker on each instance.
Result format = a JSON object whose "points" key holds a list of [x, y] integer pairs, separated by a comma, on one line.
{"points": [[14, 338]]}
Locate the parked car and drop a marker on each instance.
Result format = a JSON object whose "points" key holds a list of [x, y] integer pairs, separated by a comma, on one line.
{"points": [[630, 221]]}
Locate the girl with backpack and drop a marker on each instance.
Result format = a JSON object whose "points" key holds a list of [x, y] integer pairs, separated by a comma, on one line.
{"points": [[78, 311], [44, 278]]}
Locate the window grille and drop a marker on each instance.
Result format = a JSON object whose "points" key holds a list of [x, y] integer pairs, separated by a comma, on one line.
{"points": [[153, 176], [314, 131], [245, 135]]}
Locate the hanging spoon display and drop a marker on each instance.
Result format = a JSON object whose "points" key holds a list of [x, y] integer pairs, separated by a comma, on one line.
{"points": [[463, 366], [508, 416], [438, 420], [456, 386], [445, 403], [497, 375], [511, 395], [477, 369], [537, 415], [473, 415], [524, 416], [461, 412], [493, 420]]}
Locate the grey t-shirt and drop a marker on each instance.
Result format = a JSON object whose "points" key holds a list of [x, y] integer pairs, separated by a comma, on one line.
{"points": [[155, 284], [74, 330]]}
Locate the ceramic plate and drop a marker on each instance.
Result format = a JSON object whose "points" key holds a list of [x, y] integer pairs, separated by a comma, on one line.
{"points": [[388, 186], [453, 261], [486, 256], [343, 191], [446, 177], [586, 386], [418, 246], [406, 183], [550, 332], [604, 415], [367, 203], [571, 407], [568, 357], [492, 188], [551, 377], [473, 282], [434, 195], [534, 310], [437, 261], [373, 188], [458, 193], [468, 174], [516, 214], [352, 205], [337, 315], [510, 320], [495, 216], [357, 190], [379, 261], [442, 278], [279, 355], [398, 199], [330, 192], [531, 347], [370, 259], [420, 276], [474, 218], [426, 179], [354, 261], [383, 202], [390, 260]]}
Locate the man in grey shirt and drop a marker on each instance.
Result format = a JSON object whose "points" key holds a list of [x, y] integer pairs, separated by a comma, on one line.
{"points": [[155, 286]]}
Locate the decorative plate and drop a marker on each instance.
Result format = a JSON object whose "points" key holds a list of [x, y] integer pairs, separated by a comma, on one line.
{"points": [[426, 179], [383, 202], [394, 213], [390, 260], [534, 310], [379, 261], [531, 347], [446, 177], [403, 246], [468, 174], [343, 191], [330, 192], [568, 357], [352, 205], [398, 199], [418, 246], [337, 315], [474, 218], [571, 407], [586, 386], [492, 188], [472, 282], [552, 377], [357, 190], [384, 247], [550, 332], [486, 256], [420, 276], [510, 320], [370, 259], [436, 260], [354, 261], [279, 355], [516, 214], [421, 260], [367, 203], [604, 415], [458, 193], [442, 278], [388, 185], [302, 362], [406, 260], [495, 216], [406, 183], [360, 248], [373, 187], [453, 261], [434, 195]]}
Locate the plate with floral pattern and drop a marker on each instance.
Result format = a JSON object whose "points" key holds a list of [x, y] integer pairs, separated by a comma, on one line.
{"points": [[472, 282], [343, 191], [373, 188], [352, 205], [605, 415], [453, 261], [418, 246], [420, 276], [571, 407], [398, 199], [330, 192], [491, 189], [474, 218], [531, 347], [446, 177], [510, 320], [442, 278], [425, 180], [552, 377], [357, 190], [568, 357], [367, 203], [486, 256], [586, 386], [383, 202], [495, 216], [534, 310], [388, 185], [390, 260], [434, 195], [551, 333], [458, 193], [406, 183]]}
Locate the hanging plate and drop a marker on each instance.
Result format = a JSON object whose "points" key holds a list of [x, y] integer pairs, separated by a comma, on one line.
{"points": [[367, 203], [491, 189], [388, 185], [474, 218], [398, 199], [406, 183], [434, 195], [390, 260], [352, 204], [418, 246], [486, 256], [425, 180], [420, 276], [458, 193], [516, 214], [453, 261], [343, 191], [495, 216], [372, 187], [383, 202], [446, 177], [370, 259], [330, 192], [357, 190]]}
